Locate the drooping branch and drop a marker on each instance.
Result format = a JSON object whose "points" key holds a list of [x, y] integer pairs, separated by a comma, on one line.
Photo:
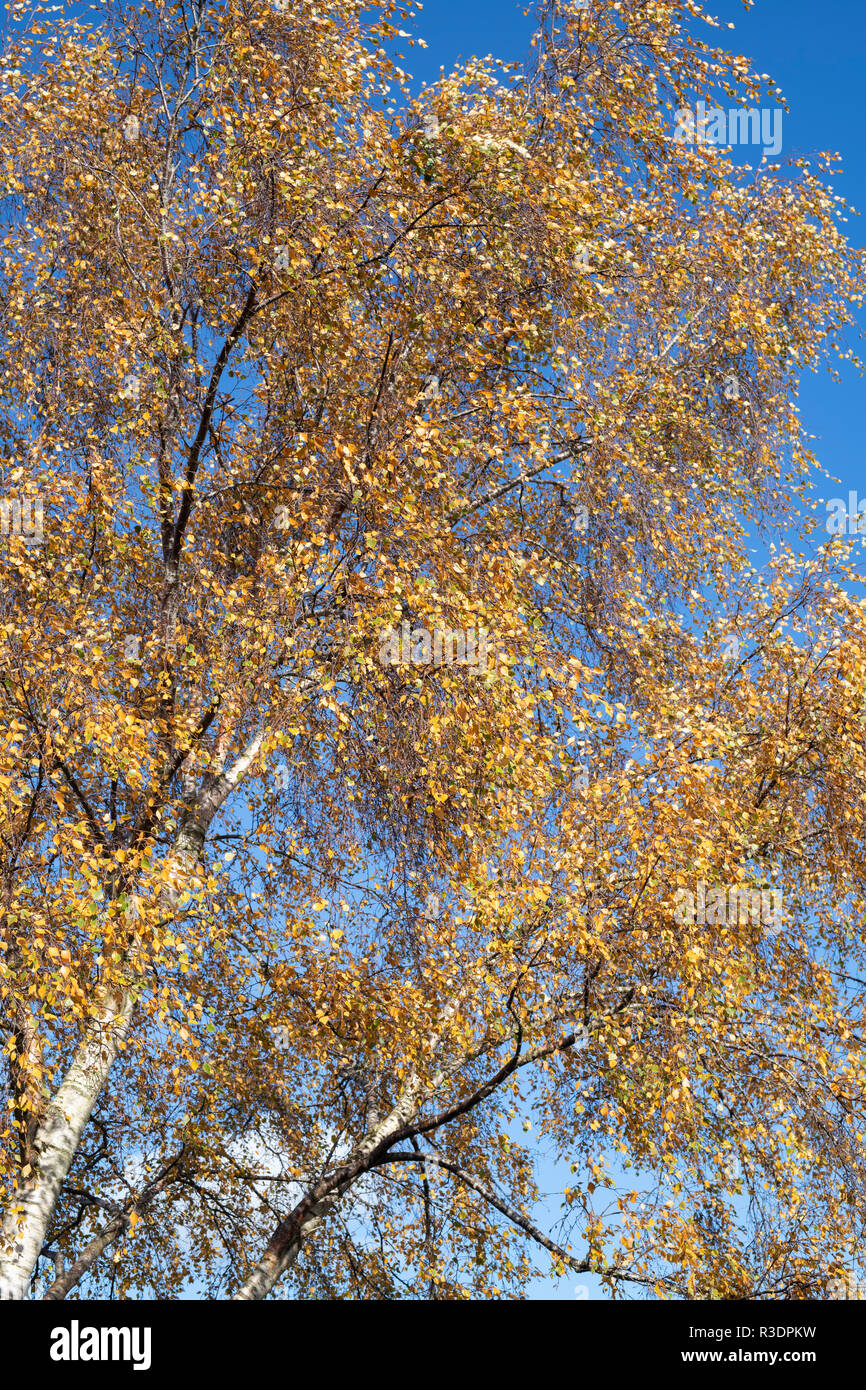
{"points": [[519, 1219], [460, 513]]}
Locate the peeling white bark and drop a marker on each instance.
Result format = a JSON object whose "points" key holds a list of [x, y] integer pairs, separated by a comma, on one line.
{"points": [[22, 1233], [25, 1223], [285, 1244], [274, 1264]]}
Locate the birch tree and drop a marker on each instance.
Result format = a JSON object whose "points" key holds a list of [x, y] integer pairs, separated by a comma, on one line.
{"points": [[394, 720]]}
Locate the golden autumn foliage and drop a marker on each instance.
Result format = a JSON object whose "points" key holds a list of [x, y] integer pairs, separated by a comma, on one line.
{"points": [[298, 927]]}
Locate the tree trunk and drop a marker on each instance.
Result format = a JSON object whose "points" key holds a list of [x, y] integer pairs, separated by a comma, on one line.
{"points": [[24, 1226], [285, 1244]]}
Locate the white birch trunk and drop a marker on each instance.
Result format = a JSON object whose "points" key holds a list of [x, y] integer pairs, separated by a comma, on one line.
{"points": [[25, 1223], [285, 1244], [287, 1240], [22, 1233]]}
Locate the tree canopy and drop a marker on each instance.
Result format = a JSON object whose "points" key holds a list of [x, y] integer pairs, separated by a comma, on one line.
{"points": [[309, 957]]}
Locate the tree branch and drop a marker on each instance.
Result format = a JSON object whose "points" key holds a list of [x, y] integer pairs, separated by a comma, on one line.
{"points": [[517, 1218]]}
